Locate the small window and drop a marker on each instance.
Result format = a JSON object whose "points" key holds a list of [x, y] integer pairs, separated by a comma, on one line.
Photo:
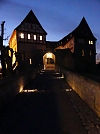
{"points": [[82, 52], [22, 35], [29, 36], [30, 61], [40, 37], [34, 37], [90, 42]]}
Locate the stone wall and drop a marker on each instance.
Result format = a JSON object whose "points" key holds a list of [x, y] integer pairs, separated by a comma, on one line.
{"points": [[87, 89], [11, 86]]}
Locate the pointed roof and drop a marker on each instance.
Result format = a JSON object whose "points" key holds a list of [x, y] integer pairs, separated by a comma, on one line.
{"points": [[82, 29], [31, 18]]}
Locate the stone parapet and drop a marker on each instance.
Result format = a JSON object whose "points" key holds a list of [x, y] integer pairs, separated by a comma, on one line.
{"points": [[87, 89]]}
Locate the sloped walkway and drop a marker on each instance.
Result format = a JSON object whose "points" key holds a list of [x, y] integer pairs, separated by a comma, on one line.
{"points": [[48, 105]]}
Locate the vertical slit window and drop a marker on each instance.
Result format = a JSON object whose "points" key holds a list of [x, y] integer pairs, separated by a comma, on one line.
{"points": [[82, 52], [22, 35], [40, 37], [34, 37], [29, 36]]}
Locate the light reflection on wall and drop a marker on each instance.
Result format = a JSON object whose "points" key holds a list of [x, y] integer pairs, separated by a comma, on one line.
{"points": [[21, 88]]}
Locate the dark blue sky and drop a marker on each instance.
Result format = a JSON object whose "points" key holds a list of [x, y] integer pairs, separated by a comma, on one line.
{"points": [[58, 17]]}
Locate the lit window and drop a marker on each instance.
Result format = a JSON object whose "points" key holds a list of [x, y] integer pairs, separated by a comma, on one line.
{"points": [[22, 35], [90, 42], [29, 36], [40, 37], [30, 61], [82, 52], [34, 37]]}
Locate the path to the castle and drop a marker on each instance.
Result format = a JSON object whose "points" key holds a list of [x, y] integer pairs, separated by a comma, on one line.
{"points": [[48, 105]]}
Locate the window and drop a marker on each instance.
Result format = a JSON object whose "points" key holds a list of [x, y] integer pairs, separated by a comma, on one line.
{"points": [[22, 35], [29, 36], [30, 61], [82, 52], [34, 37], [40, 37], [90, 42]]}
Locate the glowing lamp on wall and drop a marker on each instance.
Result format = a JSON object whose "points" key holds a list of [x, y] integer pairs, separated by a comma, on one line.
{"points": [[49, 55]]}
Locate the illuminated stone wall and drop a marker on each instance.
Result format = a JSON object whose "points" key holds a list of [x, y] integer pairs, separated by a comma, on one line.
{"points": [[87, 89], [10, 87]]}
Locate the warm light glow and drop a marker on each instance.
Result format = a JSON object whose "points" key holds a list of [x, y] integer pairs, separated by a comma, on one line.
{"points": [[0, 65], [22, 35], [30, 61], [40, 37], [13, 58], [90, 42], [67, 90], [6, 66], [21, 89], [34, 90], [49, 55], [29, 36], [34, 37], [9, 53], [14, 67]]}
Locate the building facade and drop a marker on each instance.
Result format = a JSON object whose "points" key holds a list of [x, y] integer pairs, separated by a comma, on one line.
{"points": [[27, 37], [82, 44], [78, 47]]}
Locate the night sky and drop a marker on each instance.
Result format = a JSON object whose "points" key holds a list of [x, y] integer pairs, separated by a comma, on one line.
{"points": [[58, 17]]}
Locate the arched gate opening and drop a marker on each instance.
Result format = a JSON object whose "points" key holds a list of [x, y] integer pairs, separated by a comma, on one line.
{"points": [[49, 61]]}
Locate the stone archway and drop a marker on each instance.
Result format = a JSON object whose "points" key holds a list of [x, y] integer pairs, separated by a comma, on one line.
{"points": [[49, 61]]}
